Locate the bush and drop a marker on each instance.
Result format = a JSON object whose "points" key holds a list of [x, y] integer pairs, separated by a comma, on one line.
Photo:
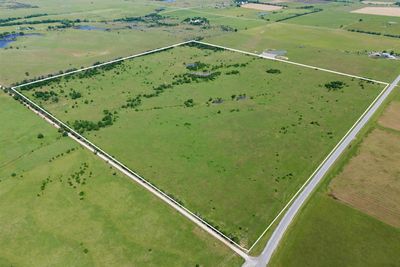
{"points": [[189, 103], [335, 85], [273, 71], [40, 136]]}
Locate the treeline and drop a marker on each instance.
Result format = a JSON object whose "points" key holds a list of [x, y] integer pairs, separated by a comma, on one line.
{"points": [[300, 14], [83, 74], [26, 17], [197, 21], [64, 22], [375, 33], [149, 18], [5, 34], [204, 46], [46, 95]]}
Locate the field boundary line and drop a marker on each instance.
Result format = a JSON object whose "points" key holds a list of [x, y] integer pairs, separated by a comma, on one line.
{"points": [[289, 62], [243, 252]]}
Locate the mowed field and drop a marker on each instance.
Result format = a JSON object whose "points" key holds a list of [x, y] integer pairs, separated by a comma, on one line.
{"points": [[371, 182], [230, 136], [61, 206]]}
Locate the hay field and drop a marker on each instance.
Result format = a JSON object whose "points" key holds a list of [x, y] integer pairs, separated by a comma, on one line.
{"points": [[383, 11]]}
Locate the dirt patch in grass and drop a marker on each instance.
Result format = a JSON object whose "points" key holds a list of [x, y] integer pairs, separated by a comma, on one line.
{"points": [[377, 3], [384, 11], [262, 7], [391, 117], [371, 180]]}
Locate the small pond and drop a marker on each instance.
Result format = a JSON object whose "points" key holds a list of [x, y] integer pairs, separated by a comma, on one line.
{"points": [[89, 28], [12, 37]]}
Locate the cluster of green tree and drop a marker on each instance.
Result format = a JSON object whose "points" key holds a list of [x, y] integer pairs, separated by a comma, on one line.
{"points": [[197, 66], [75, 95], [273, 71], [232, 72], [375, 33], [46, 95], [283, 177], [397, 3], [153, 18], [235, 65], [189, 103], [82, 126], [45, 21], [226, 28], [202, 76], [335, 85], [133, 102], [197, 21], [393, 53], [37, 84], [315, 10], [204, 47], [6, 34], [64, 25], [68, 151], [238, 97], [43, 186], [26, 17], [305, 7], [76, 177], [218, 100]]}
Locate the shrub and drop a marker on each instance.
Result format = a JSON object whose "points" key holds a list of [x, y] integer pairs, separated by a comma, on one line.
{"points": [[273, 71], [335, 85], [40, 136], [189, 103]]}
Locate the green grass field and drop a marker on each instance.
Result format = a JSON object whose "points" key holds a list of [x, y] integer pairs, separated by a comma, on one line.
{"points": [[339, 16], [213, 129], [256, 144], [46, 220], [328, 233], [59, 49], [334, 49]]}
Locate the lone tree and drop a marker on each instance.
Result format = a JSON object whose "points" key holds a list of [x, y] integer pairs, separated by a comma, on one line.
{"points": [[189, 103], [40, 136]]}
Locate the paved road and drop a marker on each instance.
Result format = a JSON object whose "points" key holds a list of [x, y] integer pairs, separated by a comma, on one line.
{"points": [[277, 235]]}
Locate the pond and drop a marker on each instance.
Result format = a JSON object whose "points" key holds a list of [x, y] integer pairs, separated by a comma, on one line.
{"points": [[89, 28], [12, 37]]}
